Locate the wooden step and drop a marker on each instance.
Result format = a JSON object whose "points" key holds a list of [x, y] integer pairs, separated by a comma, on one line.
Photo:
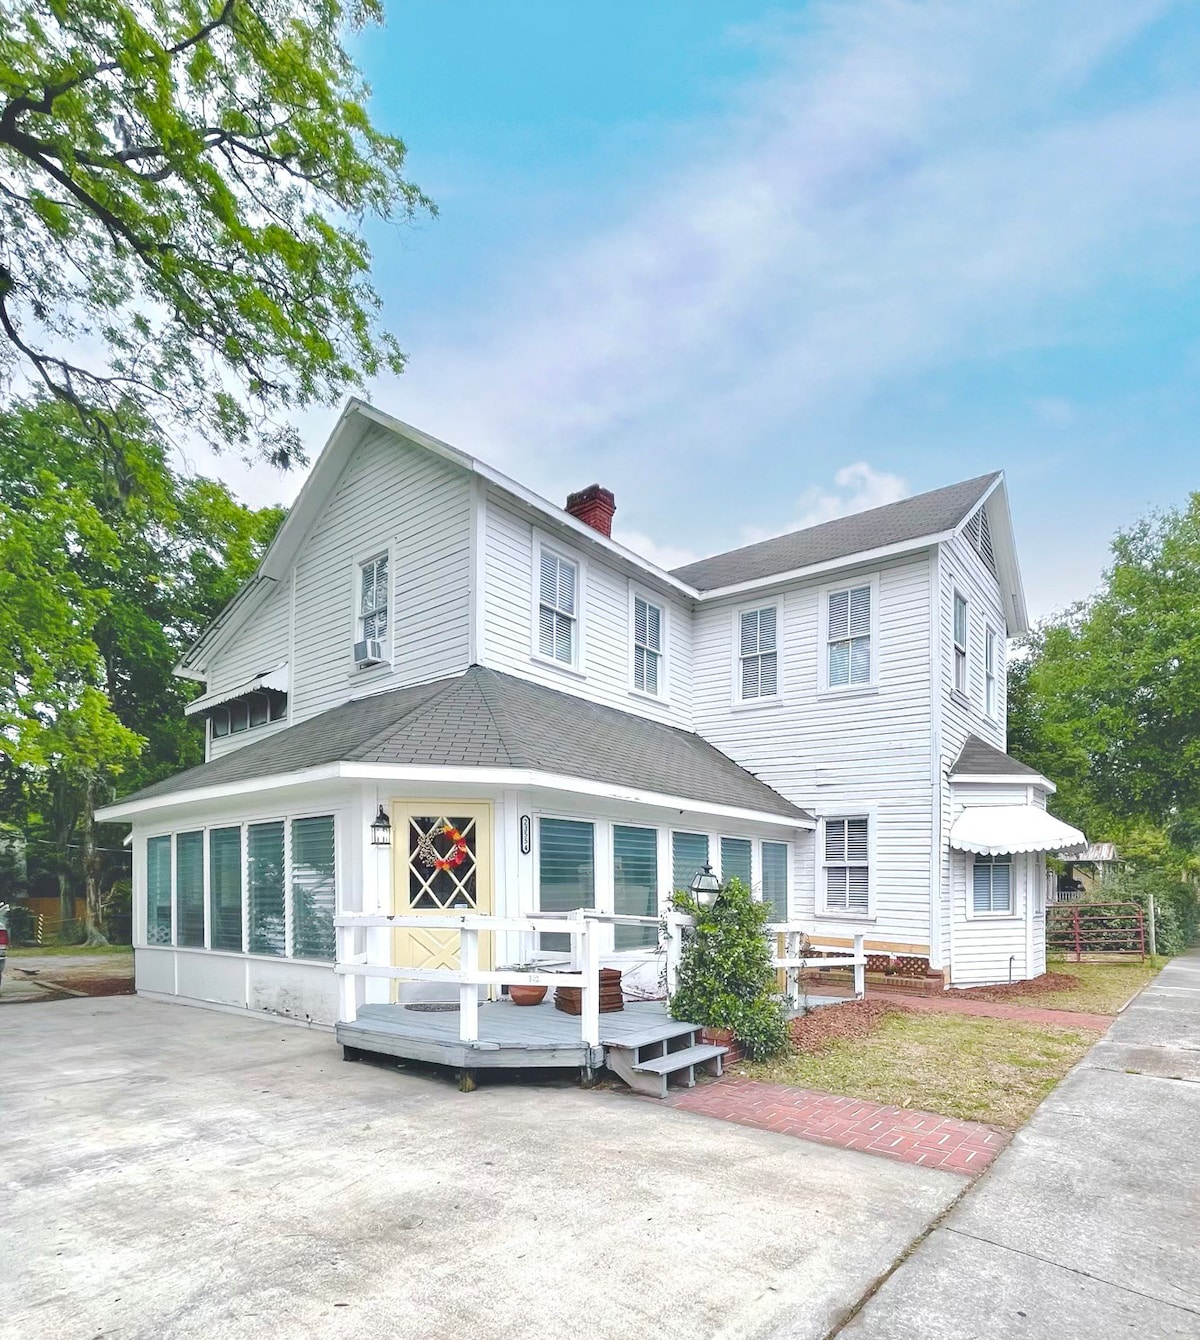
{"points": [[651, 1074], [681, 1060]]}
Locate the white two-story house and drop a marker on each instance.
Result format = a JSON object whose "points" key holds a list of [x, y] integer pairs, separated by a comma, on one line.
{"points": [[441, 691]]}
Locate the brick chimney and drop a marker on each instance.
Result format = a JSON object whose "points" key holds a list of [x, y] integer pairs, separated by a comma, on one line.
{"points": [[593, 506]]}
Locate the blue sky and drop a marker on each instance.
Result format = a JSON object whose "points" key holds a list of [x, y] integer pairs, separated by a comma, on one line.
{"points": [[753, 266]]}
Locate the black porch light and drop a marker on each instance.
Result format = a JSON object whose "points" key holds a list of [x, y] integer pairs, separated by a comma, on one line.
{"points": [[706, 886], [381, 830]]}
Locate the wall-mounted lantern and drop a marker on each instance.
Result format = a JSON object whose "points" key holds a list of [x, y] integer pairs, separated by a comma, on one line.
{"points": [[381, 830]]}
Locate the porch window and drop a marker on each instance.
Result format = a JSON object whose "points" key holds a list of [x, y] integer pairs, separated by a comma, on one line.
{"points": [[735, 860], [566, 871], [774, 878], [961, 632], [635, 883], [314, 900], [689, 854], [557, 615], [189, 888], [991, 884], [848, 637], [758, 659], [647, 646], [847, 864], [158, 891], [265, 885], [373, 601], [225, 888], [990, 660]]}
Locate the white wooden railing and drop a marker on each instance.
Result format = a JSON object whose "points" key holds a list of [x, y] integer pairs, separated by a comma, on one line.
{"points": [[585, 927]]}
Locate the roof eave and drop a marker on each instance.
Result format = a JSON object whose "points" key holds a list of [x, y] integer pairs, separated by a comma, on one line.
{"points": [[1004, 545], [1006, 779]]}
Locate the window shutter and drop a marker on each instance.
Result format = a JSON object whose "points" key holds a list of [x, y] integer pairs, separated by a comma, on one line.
{"points": [[549, 578], [654, 628], [859, 885], [766, 629], [835, 839], [857, 848], [314, 894], [860, 611], [835, 886], [546, 631], [768, 678], [639, 620], [650, 674], [189, 888], [749, 632], [635, 884], [264, 892], [774, 878], [564, 649], [751, 679], [839, 615], [566, 586], [735, 860], [158, 891], [225, 888], [689, 853]]}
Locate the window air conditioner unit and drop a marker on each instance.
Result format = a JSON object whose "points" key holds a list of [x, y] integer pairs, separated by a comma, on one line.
{"points": [[368, 652]]}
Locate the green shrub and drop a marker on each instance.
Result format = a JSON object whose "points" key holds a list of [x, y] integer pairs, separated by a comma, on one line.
{"points": [[1176, 907], [725, 975]]}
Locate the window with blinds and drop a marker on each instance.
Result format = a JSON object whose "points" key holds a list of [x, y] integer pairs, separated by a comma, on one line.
{"points": [[775, 878], [647, 646], [990, 666], [158, 891], [557, 615], [265, 888], [225, 888], [735, 860], [991, 884], [373, 599], [689, 854], [189, 889], [566, 871], [849, 637], [961, 633], [314, 896], [758, 657], [847, 857], [635, 884]]}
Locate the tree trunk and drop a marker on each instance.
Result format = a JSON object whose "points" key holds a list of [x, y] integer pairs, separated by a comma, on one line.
{"points": [[91, 869]]}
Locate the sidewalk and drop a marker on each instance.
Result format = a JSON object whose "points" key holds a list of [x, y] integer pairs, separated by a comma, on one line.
{"points": [[1086, 1225]]}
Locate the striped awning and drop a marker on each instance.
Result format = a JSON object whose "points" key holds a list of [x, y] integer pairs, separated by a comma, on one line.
{"points": [[992, 830], [276, 679]]}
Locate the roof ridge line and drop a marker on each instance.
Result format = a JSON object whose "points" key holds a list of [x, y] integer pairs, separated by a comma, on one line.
{"points": [[496, 714], [372, 740]]}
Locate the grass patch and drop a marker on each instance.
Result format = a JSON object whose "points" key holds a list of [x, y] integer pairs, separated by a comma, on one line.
{"points": [[66, 951], [1103, 987], [990, 1070]]}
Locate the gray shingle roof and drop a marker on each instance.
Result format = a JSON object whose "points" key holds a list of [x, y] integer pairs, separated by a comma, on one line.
{"points": [[909, 519], [486, 719], [979, 758]]}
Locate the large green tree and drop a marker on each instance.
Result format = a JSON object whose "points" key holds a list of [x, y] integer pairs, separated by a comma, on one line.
{"points": [[1107, 701], [183, 190], [110, 564]]}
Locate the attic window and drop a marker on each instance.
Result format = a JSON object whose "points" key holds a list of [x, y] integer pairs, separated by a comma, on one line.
{"points": [[259, 708], [980, 534]]}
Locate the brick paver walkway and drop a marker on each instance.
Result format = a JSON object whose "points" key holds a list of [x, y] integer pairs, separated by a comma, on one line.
{"points": [[996, 1009], [849, 1123]]}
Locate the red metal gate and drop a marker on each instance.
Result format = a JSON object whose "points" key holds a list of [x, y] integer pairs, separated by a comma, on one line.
{"points": [[1096, 928]]}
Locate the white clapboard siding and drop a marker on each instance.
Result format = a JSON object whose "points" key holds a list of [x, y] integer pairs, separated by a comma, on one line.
{"points": [[604, 674], [397, 496], [260, 644], [838, 752], [986, 949]]}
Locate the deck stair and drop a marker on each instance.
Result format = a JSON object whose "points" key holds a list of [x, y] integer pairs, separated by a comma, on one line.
{"points": [[661, 1054]]}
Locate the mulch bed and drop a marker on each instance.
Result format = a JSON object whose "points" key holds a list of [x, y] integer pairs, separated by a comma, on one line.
{"points": [[1036, 986], [835, 1023]]}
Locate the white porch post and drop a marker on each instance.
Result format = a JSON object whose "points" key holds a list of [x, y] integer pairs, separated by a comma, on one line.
{"points": [[468, 991], [860, 967], [589, 1019]]}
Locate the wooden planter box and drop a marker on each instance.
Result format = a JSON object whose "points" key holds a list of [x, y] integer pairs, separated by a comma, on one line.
{"points": [[569, 999]]}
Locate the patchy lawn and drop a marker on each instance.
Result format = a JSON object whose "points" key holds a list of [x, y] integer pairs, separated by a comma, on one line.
{"points": [[1096, 987], [57, 951], [990, 1070]]}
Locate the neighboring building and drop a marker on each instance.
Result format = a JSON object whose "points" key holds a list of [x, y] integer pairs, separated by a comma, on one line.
{"points": [[548, 721]]}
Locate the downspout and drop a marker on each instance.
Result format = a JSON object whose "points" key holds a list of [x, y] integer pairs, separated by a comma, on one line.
{"points": [[936, 853]]}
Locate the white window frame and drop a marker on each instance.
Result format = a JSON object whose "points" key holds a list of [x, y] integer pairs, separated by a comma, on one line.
{"points": [[1013, 913], [821, 906], [961, 651], [762, 700], [991, 669], [565, 555], [372, 555], [823, 685], [636, 594], [788, 855]]}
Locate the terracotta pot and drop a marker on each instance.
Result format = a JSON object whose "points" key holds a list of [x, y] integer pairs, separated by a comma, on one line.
{"points": [[527, 995]]}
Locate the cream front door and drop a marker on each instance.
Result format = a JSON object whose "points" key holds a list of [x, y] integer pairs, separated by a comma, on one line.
{"points": [[442, 854]]}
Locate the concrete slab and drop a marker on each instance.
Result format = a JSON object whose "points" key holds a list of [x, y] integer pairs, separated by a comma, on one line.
{"points": [[1087, 1224], [184, 1173], [1010, 1295]]}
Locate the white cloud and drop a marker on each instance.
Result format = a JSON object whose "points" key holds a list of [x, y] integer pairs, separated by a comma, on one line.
{"points": [[665, 556], [856, 488]]}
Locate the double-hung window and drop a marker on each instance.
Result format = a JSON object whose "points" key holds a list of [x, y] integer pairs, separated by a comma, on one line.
{"points": [[990, 666], [373, 600], [962, 624], [647, 646], [848, 637], [758, 657], [558, 617], [991, 885], [847, 864]]}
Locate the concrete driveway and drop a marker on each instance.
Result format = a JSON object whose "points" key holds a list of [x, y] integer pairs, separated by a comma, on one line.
{"points": [[172, 1172]]}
